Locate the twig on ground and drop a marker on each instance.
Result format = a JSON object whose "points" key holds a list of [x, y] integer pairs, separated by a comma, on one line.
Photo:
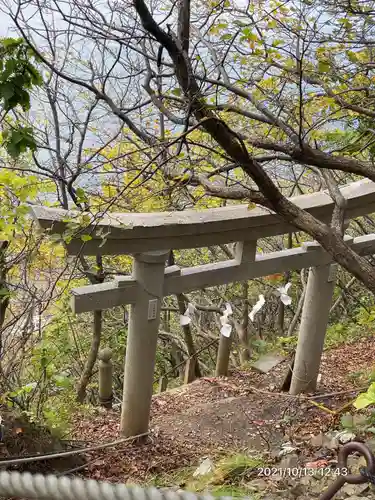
{"points": [[304, 396]]}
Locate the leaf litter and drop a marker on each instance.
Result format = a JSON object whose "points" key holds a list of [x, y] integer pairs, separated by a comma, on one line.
{"points": [[214, 416]]}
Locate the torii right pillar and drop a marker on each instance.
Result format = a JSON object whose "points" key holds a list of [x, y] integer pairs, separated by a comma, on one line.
{"points": [[314, 321]]}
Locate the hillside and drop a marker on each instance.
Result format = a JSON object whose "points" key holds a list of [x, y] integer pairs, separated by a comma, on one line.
{"points": [[220, 417]]}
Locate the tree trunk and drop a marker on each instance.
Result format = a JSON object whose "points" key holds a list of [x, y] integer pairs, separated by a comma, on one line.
{"points": [[243, 330], [176, 361], [90, 362], [188, 336], [4, 297], [94, 278], [280, 316], [186, 328]]}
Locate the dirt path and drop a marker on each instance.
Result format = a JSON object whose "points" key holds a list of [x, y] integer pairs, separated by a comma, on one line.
{"points": [[213, 416]]}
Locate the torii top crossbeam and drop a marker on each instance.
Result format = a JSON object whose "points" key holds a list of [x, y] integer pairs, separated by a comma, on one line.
{"points": [[133, 233]]}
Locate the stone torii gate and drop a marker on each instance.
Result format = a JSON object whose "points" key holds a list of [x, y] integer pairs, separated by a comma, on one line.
{"points": [[150, 237]]}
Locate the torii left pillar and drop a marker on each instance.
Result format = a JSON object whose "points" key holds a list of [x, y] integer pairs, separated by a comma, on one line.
{"points": [[148, 271]]}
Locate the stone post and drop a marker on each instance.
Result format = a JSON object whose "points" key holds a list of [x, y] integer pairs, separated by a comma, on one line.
{"points": [[148, 271], [314, 321], [105, 377]]}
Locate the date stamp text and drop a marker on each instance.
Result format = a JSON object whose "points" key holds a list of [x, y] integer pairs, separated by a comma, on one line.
{"points": [[301, 471]]}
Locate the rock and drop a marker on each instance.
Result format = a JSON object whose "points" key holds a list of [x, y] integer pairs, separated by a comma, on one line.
{"points": [[285, 494], [371, 444], [354, 489], [345, 437], [258, 484], [356, 497], [206, 467], [297, 490], [360, 420], [287, 448], [355, 462], [331, 440], [305, 480], [289, 461], [267, 362], [319, 484], [317, 441]]}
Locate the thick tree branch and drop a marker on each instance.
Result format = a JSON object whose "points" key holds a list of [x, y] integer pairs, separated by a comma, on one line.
{"points": [[328, 237], [184, 25]]}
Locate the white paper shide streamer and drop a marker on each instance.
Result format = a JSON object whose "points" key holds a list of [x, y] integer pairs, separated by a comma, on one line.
{"points": [[226, 327], [284, 297], [186, 318], [257, 307]]}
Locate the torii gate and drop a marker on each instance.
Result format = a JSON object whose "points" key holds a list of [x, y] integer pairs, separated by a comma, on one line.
{"points": [[150, 237]]}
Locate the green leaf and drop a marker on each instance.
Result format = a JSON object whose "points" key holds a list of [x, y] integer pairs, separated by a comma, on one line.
{"points": [[371, 392], [11, 42], [176, 91], [6, 90], [363, 401], [352, 56], [18, 140], [62, 381], [22, 98], [346, 23], [347, 421], [81, 195], [86, 237], [323, 66], [28, 387], [218, 27], [85, 219], [10, 67], [56, 237], [36, 77], [4, 293], [17, 76]]}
